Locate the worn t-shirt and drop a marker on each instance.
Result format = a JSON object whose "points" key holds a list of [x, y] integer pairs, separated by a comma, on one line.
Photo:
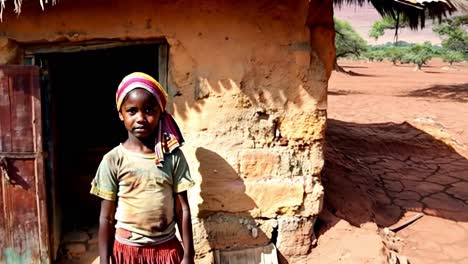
{"points": [[144, 192]]}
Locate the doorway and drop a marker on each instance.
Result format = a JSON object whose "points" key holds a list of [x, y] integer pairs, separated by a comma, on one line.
{"points": [[82, 124]]}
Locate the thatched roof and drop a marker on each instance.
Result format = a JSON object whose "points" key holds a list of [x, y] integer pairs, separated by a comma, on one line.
{"points": [[18, 4], [415, 10]]}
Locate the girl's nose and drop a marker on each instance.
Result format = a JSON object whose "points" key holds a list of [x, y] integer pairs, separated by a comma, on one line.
{"points": [[140, 117]]}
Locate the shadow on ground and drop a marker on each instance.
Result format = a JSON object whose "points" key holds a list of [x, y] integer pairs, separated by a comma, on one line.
{"points": [[342, 92], [377, 172], [454, 92]]}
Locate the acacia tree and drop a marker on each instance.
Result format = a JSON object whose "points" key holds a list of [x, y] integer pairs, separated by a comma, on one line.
{"points": [[348, 43], [394, 53], [419, 54], [454, 35], [388, 22], [451, 56]]}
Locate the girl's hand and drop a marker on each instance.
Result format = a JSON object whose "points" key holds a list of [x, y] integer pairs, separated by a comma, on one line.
{"points": [[187, 260]]}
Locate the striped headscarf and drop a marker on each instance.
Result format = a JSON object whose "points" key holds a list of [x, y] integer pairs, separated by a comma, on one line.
{"points": [[169, 136]]}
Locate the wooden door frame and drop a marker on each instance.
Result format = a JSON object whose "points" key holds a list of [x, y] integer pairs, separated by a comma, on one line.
{"points": [[32, 51]]}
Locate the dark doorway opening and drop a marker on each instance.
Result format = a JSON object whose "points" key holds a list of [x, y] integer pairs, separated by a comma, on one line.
{"points": [[83, 124]]}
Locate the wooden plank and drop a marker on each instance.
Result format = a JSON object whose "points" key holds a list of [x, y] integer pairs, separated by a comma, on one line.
{"points": [[5, 145], [25, 233], [256, 255], [86, 46], [41, 200], [21, 111], [163, 55], [5, 124], [21, 227]]}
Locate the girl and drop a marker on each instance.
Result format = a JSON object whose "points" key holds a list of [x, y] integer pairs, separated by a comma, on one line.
{"points": [[143, 182]]}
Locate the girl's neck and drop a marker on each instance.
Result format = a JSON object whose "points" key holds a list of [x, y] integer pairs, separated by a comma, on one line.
{"points": [[145, 146]]}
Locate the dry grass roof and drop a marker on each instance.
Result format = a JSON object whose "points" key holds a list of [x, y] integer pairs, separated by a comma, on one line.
{"points": [[415, 10]]}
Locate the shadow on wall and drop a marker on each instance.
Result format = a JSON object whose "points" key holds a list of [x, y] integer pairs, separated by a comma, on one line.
{"points": [[377, 172], [225, 218], [454, 92], [264, 84]]}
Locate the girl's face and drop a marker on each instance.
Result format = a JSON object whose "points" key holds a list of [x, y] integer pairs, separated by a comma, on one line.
{"points": [[140, 113]]}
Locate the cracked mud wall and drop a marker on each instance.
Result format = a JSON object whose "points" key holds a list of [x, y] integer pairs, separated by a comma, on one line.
{"points": [[248, 83]]}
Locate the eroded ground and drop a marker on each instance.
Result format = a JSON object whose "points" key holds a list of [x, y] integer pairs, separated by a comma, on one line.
{"points": [[397, 145]]}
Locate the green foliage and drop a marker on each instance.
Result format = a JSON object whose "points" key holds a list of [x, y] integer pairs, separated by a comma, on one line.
{"points": [[375, 54], [387, 22], [451, 56], [378, 29], [454, 35], [419, 54], [403, 52], [347, 41], [394, 54]]}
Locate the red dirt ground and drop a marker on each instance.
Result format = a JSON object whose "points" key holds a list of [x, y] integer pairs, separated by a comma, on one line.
{"points": [[397, 144]]}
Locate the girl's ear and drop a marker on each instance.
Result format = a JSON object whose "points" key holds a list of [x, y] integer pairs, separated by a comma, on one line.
{"points": [[120, 116]]}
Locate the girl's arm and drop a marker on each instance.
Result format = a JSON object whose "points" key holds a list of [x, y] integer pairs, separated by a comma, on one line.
{"points": [[185, 227], [106, 230]]}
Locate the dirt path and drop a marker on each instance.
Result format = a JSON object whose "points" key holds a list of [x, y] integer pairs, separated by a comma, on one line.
{"points": [[396, 145]]}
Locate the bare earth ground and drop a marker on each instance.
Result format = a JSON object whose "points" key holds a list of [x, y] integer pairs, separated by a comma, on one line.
{"points": [[397, 144]]}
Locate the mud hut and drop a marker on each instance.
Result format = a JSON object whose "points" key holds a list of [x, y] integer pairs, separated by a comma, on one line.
{"points": [[247, 82]]}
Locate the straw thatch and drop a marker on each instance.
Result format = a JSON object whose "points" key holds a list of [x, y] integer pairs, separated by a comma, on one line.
{"points": [[18, 4], [415, 10]]}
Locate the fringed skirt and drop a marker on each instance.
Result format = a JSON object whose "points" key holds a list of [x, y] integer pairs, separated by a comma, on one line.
{"points": [[170, 252]]}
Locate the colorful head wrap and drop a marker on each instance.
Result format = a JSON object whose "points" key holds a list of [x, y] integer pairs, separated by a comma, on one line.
{"points": [[169, 136]]}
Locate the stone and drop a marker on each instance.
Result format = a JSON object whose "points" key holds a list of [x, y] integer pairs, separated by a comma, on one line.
{"points": [[223, 231], [303, 127], [258, 163], [295, 235], [275, 197], [75, 249], [254, 232], [313, 201], [262, 198]]}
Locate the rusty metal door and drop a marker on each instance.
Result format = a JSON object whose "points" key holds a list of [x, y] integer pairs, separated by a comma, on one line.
{"points": [[23, 218]]}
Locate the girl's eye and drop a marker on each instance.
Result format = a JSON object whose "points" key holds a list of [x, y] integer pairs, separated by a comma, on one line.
{"points": [[149, 110], [131, 111]]}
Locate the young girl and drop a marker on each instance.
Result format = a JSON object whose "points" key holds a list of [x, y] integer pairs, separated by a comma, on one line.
{"points": [[143, 182]]}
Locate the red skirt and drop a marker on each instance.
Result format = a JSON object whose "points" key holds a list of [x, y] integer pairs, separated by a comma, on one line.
{"points": [[170, 252]]}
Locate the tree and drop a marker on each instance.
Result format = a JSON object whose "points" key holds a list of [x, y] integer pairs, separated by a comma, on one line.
{"points": [[375, 53], [348, 43], [454, 35], [451, 56], [394, 53], [419, 54], [388, 22]]}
